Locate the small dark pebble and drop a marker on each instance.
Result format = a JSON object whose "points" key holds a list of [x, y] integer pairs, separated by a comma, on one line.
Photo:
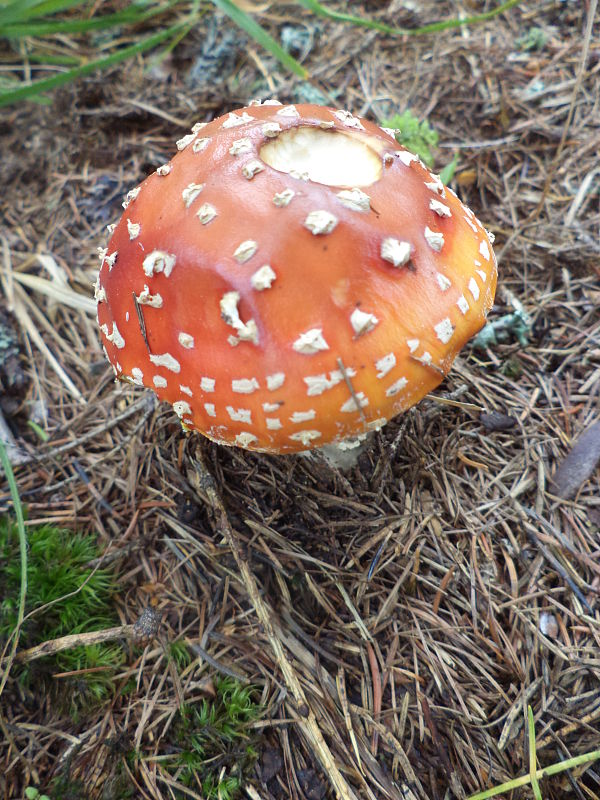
{"points": [[271, 764], [496, 421], [310, 783]]}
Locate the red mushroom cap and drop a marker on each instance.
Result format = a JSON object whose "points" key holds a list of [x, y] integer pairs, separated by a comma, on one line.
{"points": [[293, 277]]}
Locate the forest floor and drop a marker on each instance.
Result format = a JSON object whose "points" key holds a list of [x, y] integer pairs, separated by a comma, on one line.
{"points": [[419, 602]]}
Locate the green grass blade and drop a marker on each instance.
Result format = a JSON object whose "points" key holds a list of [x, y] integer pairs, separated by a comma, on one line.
{"points": [[260, 36], [14, 492], [45, 84], [532, 759], [546, 772], [339, 16], [21, 10], [127, 17]]}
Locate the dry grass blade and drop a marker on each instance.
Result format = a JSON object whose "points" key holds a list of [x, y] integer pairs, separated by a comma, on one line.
{"points": [[61, 294]]}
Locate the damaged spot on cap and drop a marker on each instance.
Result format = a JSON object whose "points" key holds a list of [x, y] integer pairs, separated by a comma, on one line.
{"points": [[245, 251], [443, 282], [283, 198], [385, 364], [240, 414], [115, 337], [354, 199], [133, 229], [436, 185], [131, 196], [181, 408], [434, 239], [396, 252], [262, 278], [191, 192], [317, 384], [158, 261], [99, 292], [441, 209], [241, 146], [349, 120], [305, 437], [245, 438], [244, 385], [275, 381], [444, 330], [233, 119], [362, 321], [462, 304], [167, 361], [406, 157], [185, 140], [310, 342], [147, 299], [396, 387], [303, 416], [200, 145], [246, 331], [355, 403], [320, 222], [206, 213], [271, 129], [288, 111], [252, 168], [474, 288]]}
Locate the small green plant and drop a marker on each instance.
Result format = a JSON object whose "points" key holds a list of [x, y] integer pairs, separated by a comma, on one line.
{"points": [[31, 793], [215, 746], [534, 39], [416, 135], [180, 654], [420, 138], [66, 596]]}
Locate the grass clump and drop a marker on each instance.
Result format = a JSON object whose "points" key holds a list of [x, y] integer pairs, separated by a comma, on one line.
{"points": [[213, 742], [416, 135], [420, 138], [64, 596]]}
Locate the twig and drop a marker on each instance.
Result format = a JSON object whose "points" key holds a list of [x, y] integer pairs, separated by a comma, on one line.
{"points": [[142, 630]]}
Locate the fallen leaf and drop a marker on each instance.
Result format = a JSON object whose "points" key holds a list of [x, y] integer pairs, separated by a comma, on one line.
{"points": [[580, 462]]}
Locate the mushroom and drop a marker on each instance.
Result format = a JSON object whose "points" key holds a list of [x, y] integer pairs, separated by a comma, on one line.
{"points": [[292, 278]]}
